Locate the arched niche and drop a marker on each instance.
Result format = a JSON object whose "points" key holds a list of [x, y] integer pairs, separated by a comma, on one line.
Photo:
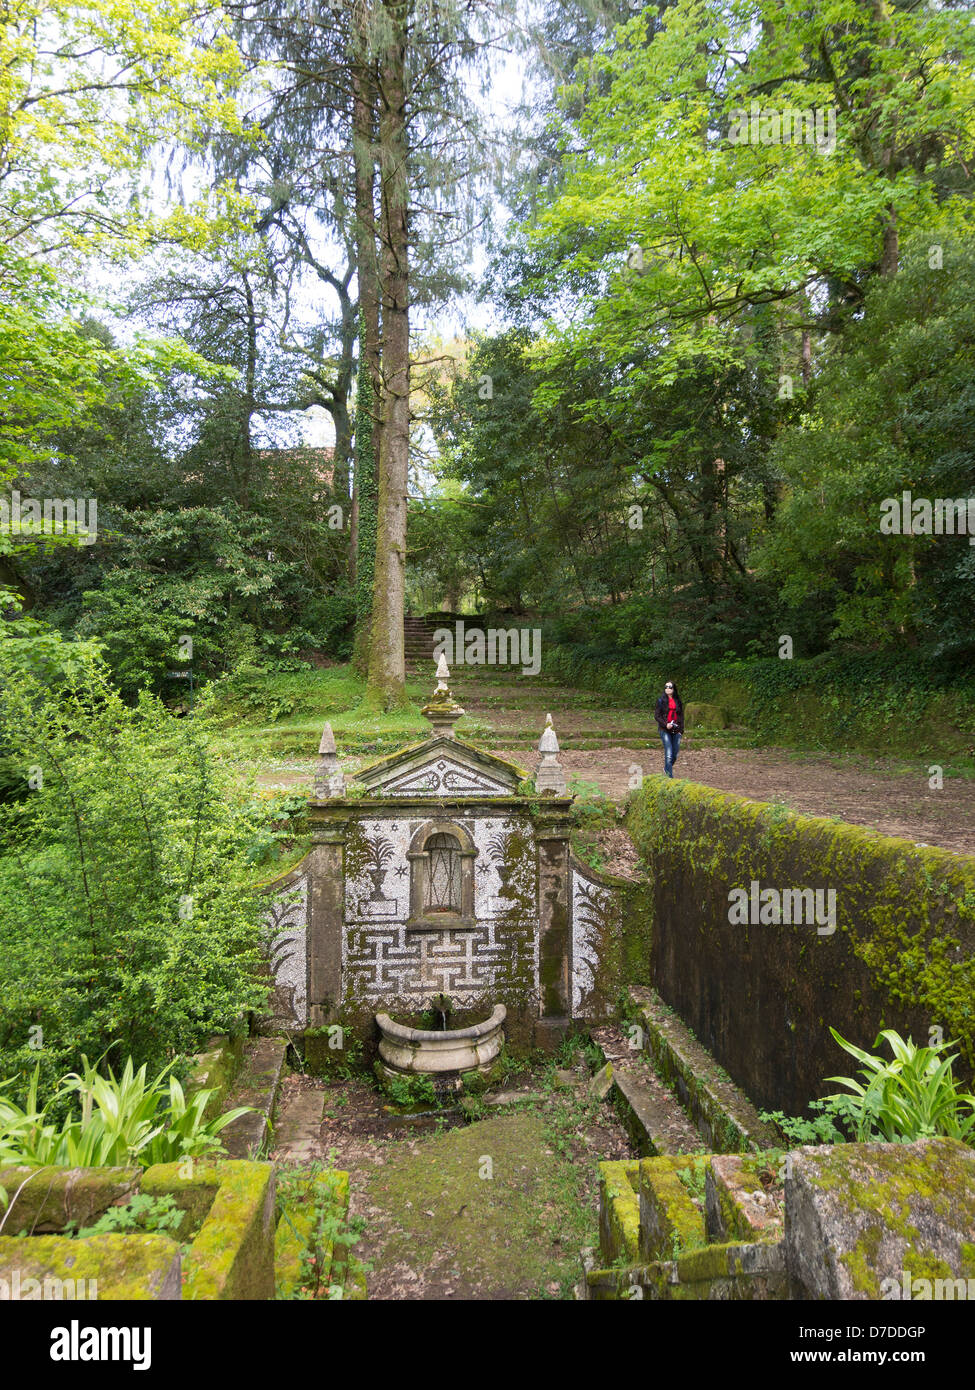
{"points": [[441, 856]]}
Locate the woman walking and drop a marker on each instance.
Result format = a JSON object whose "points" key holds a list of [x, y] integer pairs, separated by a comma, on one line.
{"points": [[670, 721]]}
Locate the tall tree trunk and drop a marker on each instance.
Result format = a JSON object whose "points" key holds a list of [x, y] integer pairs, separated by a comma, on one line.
{"points": [[249, 403], [364, 512], [387, 664], [368, 428]]}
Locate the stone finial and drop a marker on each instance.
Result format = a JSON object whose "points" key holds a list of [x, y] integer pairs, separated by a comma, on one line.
{"points": [[442, 710], [548, 743], [549, 776], [328, 776]]}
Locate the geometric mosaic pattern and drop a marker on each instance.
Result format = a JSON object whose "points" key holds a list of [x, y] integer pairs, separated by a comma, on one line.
{"points": [[444, 776], [384, 964]]}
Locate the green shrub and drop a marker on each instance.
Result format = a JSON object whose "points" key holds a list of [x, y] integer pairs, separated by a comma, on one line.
{"points": [[911, 1096], [128, 920], [119, 1120]]}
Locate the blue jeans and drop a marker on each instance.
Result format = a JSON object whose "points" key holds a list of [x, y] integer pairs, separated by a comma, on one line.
{"points": [[670, 739]]}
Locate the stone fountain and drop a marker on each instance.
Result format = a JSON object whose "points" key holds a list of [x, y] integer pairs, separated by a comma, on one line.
{"points": [[440, 878]]}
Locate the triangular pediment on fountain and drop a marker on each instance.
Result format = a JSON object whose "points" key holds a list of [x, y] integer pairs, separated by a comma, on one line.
{"points": [[440, 767]]}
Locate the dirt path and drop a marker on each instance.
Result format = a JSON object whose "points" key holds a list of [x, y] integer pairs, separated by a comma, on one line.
{"points": [[865, 791], [494, 1209]]}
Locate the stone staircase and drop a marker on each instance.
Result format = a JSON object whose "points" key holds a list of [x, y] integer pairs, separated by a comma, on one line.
{"points": [[418, 640]]}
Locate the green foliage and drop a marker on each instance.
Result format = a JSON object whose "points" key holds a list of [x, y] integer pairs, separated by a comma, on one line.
{"points": [[119, 1120], [309, 1204], [142, 1213], [592, 810], [410, 1090], [88, 90], [726, 224], [277, 819], [128, 924], [693, 1177], [819, 1129], [799, 702], [892, 412], [911, 1096], [209, 573]]}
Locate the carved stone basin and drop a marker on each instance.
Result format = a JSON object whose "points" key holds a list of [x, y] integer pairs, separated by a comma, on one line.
{"points": [[453, 1049]]}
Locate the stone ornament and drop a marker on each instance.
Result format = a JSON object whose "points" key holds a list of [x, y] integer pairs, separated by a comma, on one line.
{"points": [[550, 776], [329, 780], [443, 711]]}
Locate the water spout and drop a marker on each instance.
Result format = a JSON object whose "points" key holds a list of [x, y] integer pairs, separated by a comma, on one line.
{"points": [[442, 1006]]}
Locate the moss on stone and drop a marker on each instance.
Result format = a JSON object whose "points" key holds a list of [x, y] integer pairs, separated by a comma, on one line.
{"points": [[51, 1199], [233, 1254], [302, 1235], [891, 1190], [670, 1223], [192, 1184], [122, 1266], [905, 915], [619, 1211]]}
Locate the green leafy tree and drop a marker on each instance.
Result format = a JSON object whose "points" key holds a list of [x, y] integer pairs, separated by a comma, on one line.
{"points": [[87, 92], [893, 412]]}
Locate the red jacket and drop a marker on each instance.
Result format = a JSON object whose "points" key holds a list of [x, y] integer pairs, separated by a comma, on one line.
{"points": [[662, 710]]}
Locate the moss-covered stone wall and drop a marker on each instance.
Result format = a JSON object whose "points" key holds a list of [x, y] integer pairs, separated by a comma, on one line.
{"points": [[761, 997]]}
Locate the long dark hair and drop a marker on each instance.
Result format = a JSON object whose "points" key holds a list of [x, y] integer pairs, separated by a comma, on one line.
{"points": [[677, 699]]}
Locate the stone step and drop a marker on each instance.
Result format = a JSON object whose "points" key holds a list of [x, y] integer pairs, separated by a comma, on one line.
{"points": [[653, 1116], [297, 1132], [256, 1085], [723, 1115]]}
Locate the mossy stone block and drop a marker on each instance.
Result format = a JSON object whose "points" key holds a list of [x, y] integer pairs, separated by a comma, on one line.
{"points": [[735, 1202], [232, 1257], [117, 1266], [669, 1221], [861, 1216], [619, 1211], [51, 1199]]}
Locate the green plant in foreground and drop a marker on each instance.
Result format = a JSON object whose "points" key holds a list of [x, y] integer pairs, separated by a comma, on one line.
{"points": [[910, 1096], [411, 1090], [143, 1213], [316, 1190], [123, 1120], [819, 1130]]}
